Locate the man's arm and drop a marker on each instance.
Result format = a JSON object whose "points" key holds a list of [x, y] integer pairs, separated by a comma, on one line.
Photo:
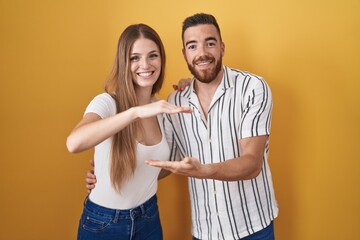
{"points": [[245, 167]]}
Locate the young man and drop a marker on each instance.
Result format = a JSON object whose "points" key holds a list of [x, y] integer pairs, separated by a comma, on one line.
{"points": [[223, 145]]}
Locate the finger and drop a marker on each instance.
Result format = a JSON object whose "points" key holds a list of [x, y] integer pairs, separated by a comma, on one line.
{"points": [[162, 164], [90, 174], [184, 82], [185, 109], [171, 109], [91, 161], [90, 180]]}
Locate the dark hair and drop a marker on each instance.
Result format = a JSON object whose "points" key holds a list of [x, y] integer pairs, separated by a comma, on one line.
{"points": [[199, 18]]}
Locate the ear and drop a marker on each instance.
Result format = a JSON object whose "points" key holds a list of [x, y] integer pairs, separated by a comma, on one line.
{"points": [[184, 53], [222, 46]]}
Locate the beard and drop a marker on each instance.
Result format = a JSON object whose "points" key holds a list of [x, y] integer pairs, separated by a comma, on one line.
{"points": [[207, 75]]}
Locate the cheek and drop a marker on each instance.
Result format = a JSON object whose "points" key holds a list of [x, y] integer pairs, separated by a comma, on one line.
{"points": [[133, 67], [133, 72], [188, 59], [158, 64]]}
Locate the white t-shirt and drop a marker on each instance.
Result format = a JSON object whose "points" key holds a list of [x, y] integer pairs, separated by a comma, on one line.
{"points": [[143, 184]]}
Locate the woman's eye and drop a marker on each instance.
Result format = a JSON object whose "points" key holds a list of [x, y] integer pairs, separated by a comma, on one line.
{"points": [[134, 58], [154, 55]]}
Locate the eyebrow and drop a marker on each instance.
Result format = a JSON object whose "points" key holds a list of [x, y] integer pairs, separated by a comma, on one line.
{"points": [[153, 51], [211, 39], [189, 42], [206, 39]]}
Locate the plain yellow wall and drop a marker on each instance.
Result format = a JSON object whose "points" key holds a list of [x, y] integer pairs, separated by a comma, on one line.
{"points": [[55, 56]]}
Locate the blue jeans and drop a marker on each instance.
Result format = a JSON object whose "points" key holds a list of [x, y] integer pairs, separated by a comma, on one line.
{"points": [[264, 234], [142, 222]]}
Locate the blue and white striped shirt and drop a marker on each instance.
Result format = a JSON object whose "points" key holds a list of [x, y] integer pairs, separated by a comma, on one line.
{"points": [[241, 107]]}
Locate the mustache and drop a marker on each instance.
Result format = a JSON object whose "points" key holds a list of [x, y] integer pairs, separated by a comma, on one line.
{"points": [[202, 59]]}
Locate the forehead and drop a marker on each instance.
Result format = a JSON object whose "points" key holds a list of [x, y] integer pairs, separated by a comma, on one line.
{"points": [[144, 45], [200, 33]]}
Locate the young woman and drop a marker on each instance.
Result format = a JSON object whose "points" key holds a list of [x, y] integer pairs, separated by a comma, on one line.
{"points": [[124, 124]]}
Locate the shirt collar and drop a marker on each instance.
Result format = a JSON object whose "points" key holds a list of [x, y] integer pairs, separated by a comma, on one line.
{"points": [[227, 81]]}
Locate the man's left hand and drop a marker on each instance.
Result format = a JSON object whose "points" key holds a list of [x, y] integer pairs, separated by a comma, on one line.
{"points": [[190, 167]]}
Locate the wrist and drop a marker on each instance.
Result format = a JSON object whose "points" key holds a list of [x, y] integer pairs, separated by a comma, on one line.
{"points": [[209, 171], [134, 112]]}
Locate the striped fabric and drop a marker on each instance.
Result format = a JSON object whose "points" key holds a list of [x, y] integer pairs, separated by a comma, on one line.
{"points": [[240, 108]]}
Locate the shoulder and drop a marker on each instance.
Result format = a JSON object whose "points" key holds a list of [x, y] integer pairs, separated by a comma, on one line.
{"points": [[103, 104], [173, 96], [247, 81], [240, 74], [104, 97], [181, 97]]}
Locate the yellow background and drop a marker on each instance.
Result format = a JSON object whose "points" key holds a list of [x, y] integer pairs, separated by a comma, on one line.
{"points": [[55, 56]]}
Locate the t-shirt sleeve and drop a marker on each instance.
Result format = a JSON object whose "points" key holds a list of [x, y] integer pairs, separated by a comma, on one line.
{"points": [[103, 105], [257, 108]]}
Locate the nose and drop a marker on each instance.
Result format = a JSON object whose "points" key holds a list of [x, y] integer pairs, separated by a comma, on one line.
{"points": [[202, 50], [144, 63]]}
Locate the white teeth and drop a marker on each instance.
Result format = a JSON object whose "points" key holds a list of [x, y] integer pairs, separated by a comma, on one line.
{"points": [[203, 63], [144, 74]]}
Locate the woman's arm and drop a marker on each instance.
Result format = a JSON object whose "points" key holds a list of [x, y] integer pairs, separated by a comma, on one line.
{"points": [[92, 129]]}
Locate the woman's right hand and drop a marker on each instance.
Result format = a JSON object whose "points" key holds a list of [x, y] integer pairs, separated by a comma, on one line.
{"points": [[159, 107]]}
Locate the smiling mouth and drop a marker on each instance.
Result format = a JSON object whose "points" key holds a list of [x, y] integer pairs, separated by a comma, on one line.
{"points": [[145, 74], [203, 64], [204, 61]]}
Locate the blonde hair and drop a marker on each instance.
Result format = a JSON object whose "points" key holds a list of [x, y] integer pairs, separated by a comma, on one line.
{"points": [[120, 86]]}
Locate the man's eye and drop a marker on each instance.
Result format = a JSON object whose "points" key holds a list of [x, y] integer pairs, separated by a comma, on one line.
{"points": [[191, 47], [211, 44]]}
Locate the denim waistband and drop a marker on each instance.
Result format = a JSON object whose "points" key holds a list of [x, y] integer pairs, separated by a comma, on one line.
{"points": [[119, 213]]}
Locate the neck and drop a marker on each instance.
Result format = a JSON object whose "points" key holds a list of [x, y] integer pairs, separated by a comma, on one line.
{"points": [[143, 95], [208, 89]]}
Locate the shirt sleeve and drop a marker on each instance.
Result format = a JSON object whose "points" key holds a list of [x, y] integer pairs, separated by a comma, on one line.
{"points": [[257, 108], [103, 105]]}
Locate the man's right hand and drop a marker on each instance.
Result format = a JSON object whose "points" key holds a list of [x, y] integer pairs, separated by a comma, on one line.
{"points": [[90, 178], [183, 82]]}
